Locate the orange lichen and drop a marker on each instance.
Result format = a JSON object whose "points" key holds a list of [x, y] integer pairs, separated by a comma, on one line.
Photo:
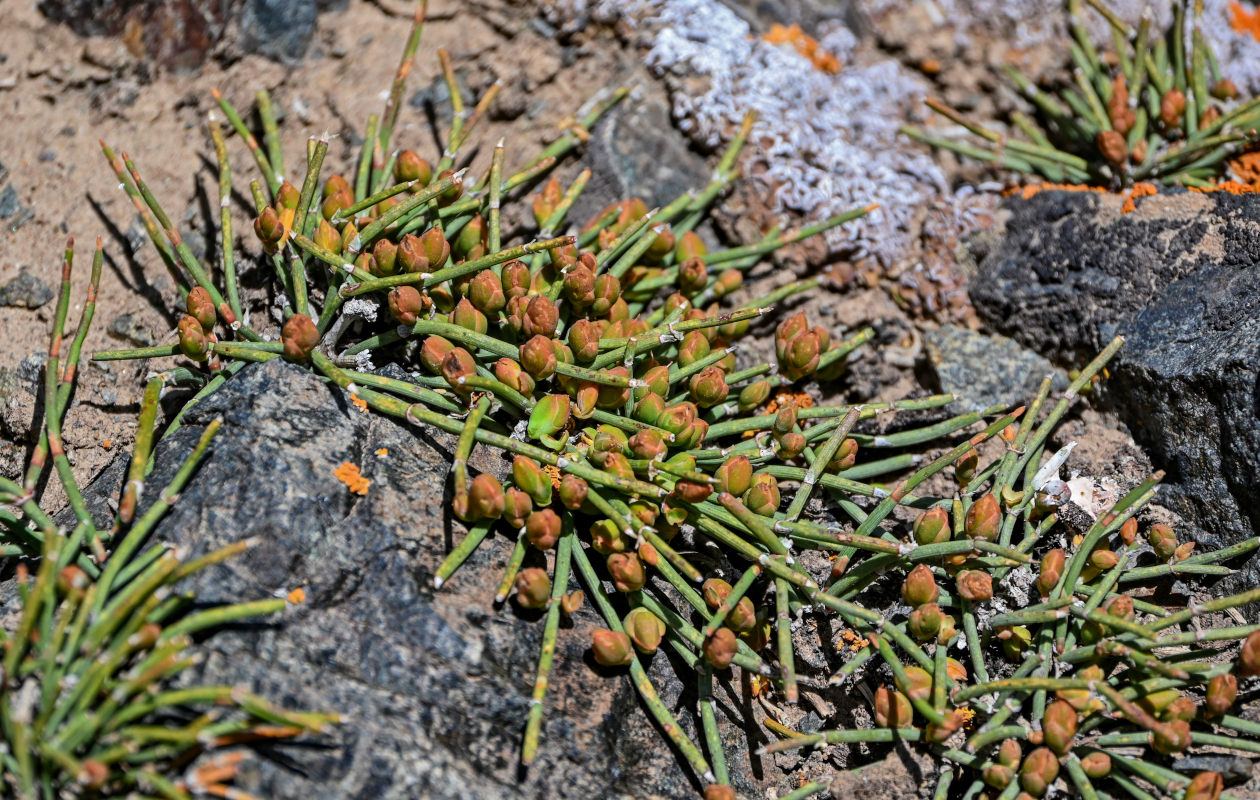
{"points": [[359, 403], [1232, 187], [297, 596], [1139, 190], [1032, 190], [382, 452], [804, 44], [1243, 20], [801, 400], [1246, 167], [850, 639], [108, 443], [554, 474], [348, 474]]}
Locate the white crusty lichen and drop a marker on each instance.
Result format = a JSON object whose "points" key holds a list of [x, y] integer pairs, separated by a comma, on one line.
{"points": [[822, 144]]}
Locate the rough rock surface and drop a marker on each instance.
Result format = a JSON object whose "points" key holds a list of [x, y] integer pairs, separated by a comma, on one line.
{"points": [[985, 370], [180, 34], [435, 685], [1177, 278]]}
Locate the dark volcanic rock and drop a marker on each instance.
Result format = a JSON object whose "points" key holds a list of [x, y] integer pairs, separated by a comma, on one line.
{"points": [[435, 686], [1180, 279]]}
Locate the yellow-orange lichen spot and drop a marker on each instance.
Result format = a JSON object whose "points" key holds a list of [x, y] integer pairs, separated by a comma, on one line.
{"points": [[804, 44], [297, 596], [359, 403], [1243, 20], [348, 474]]}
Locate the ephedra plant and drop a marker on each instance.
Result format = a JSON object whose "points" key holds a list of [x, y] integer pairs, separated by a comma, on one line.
{"points": [[604, 363]]}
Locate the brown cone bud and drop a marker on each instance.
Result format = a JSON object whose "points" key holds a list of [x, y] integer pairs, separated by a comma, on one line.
{"points": [[1171, 737], [611, 648], [1249, 656], [1205, 786], [735, 475], [938, 732], [708, 387], [607, 538], [999, 776], [201, 307], [529, 476], [269, 229], [719, 791], [917, 684], [649, 409], [1096, 765], [608, 300], [626, 571], [1058, 724], [540, 317], [300, 336], [433, 352], [754, 395], [458, 364], [1163, 541], [762, 496], [1038, 771], [932, 526], [975, 585], [538, 358], [573, 491], [692, 276], [647, 444], [1052, 566], [1222, 690], [924, 622], [1113, 147], [288, 196], [334, 184], [406, 304], [791, 445], [1128, 531], [485, 497], [193, 341], [720, 648], [509, 373], [533, 588], [542, 528], [965, 467], [1009, 753], [645, 629], [920, 586], [411, 167], [467, 316], [485, 291], [984, 519], [517, 506], [892, 708], [1171, 108], [693, 348]]}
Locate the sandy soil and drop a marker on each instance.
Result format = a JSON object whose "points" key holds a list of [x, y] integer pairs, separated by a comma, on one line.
{"points": [[60, 94]]}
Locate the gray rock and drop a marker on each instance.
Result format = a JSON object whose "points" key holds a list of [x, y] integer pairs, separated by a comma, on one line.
{"points": [[637, 152], [278, 29], [9, 203], [25, 291], [436, 685], [985, 370], [1180, 278], [128, 328]]}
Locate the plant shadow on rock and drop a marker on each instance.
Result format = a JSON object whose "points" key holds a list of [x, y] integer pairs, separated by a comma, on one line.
{"points": [[435, 685]]}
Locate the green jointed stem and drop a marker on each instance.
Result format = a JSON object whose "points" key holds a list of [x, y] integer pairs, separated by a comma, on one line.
{"points": [[533, 725]]}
